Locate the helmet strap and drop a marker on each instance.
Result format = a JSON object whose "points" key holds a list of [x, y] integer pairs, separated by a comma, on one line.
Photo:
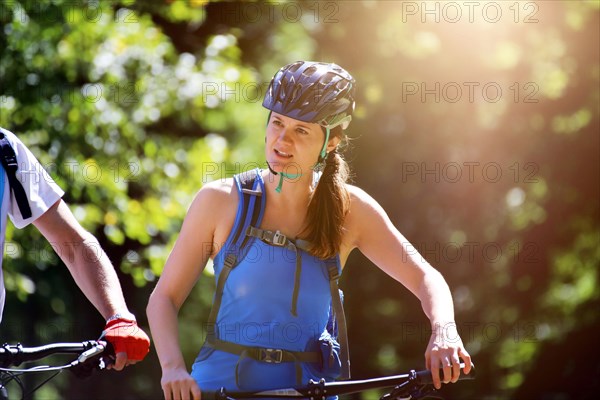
{"points": [[323, 154], [320, 164], [282, 175]]}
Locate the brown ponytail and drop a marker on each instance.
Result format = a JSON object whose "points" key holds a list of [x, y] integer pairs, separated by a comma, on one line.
{"points": [[328, 206]]}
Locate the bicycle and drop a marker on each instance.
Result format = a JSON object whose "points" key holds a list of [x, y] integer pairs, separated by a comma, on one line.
{"points": [[412, 386], [91, 355]]}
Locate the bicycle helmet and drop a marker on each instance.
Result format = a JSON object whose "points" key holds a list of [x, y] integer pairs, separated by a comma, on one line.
{"points": [[314, 92]]}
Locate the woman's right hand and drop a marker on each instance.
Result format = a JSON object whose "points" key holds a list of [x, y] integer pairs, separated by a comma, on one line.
{"points": [[178, 384]]}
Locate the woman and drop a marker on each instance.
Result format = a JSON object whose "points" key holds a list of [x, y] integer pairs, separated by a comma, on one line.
{"points": [[279, 239]]}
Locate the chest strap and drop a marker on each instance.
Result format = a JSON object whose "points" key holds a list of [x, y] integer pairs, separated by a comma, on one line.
{"points": [[271, 356]]}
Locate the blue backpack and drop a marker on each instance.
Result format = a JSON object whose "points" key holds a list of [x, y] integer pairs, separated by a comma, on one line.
{"points": [[331, 350]]}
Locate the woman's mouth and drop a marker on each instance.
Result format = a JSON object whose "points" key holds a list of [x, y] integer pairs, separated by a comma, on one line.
{"points": [[282, 154]]}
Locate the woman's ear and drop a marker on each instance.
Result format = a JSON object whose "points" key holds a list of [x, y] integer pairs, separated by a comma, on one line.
{"points": [[333, 143]]}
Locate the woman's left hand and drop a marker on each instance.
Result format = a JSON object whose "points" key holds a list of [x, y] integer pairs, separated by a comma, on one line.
{"points": [[445, 351]]}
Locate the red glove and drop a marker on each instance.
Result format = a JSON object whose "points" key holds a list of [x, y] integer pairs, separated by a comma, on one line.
{"points": [[126, 336]]}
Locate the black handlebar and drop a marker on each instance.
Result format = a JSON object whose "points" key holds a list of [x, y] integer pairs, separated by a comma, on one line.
{"points": [[317, 390], [14, 355], [91, 355]]}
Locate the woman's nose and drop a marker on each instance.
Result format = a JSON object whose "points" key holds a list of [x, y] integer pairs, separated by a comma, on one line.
{"points": [[285, 134]]}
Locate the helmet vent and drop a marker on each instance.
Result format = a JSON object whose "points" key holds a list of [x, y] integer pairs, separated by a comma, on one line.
{"points": [[327, 78], [341, 85], [309, 71], [296, 91], [294, 67]]}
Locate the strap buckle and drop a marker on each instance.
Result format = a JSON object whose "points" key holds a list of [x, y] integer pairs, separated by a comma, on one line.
{"points": [[278, 239], [274, 356]]}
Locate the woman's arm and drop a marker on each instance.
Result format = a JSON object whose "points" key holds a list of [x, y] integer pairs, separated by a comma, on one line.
{"points": [[192, 250], [377, 238]]}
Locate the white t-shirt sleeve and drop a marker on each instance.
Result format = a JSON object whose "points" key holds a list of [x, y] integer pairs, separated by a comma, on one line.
{"points": [[42, 192]]}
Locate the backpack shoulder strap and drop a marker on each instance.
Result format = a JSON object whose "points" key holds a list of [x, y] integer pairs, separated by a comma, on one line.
{"points": [[340, 317], [250, 188], [8, 158], [337, 322]]}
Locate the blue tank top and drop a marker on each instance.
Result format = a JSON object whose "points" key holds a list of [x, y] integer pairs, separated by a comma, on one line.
{"points": [[255, 311]]}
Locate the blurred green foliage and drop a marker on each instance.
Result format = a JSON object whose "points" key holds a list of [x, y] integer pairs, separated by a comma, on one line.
{"points": [[477, 131]]}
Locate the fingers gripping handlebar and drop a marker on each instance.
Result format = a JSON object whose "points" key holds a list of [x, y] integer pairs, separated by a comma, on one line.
{"points": [[420, 385], [424, 377]]}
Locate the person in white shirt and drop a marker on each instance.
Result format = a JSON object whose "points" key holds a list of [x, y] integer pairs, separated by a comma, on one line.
{"points": [[79, 250]]}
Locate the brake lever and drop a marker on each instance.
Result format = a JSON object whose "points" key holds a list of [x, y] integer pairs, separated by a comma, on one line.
{"points": [[94, 351], [412, 392], [425, 391], [97, 357], [400, 392]]}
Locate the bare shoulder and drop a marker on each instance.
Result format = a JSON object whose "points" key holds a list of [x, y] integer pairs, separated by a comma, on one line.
{"points": [[217, 190], [365, 216], [214, 208], [361, 202], [215, 197]]}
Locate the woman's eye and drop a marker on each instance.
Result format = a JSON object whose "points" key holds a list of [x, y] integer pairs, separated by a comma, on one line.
{"points": [[302, 131], [277, 123]]}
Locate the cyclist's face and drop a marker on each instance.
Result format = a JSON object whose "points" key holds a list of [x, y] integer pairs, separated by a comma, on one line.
{"points": [[292, 146]]}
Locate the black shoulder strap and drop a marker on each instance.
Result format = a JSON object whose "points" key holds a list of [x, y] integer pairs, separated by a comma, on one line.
{"points": [[10, 164], [251, 202], [338, 309]]}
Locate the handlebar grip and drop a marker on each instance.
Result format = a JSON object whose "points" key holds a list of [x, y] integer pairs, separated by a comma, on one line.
{"points": [[206, 395], [215, 395], [109, 350], [424, 377]]}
